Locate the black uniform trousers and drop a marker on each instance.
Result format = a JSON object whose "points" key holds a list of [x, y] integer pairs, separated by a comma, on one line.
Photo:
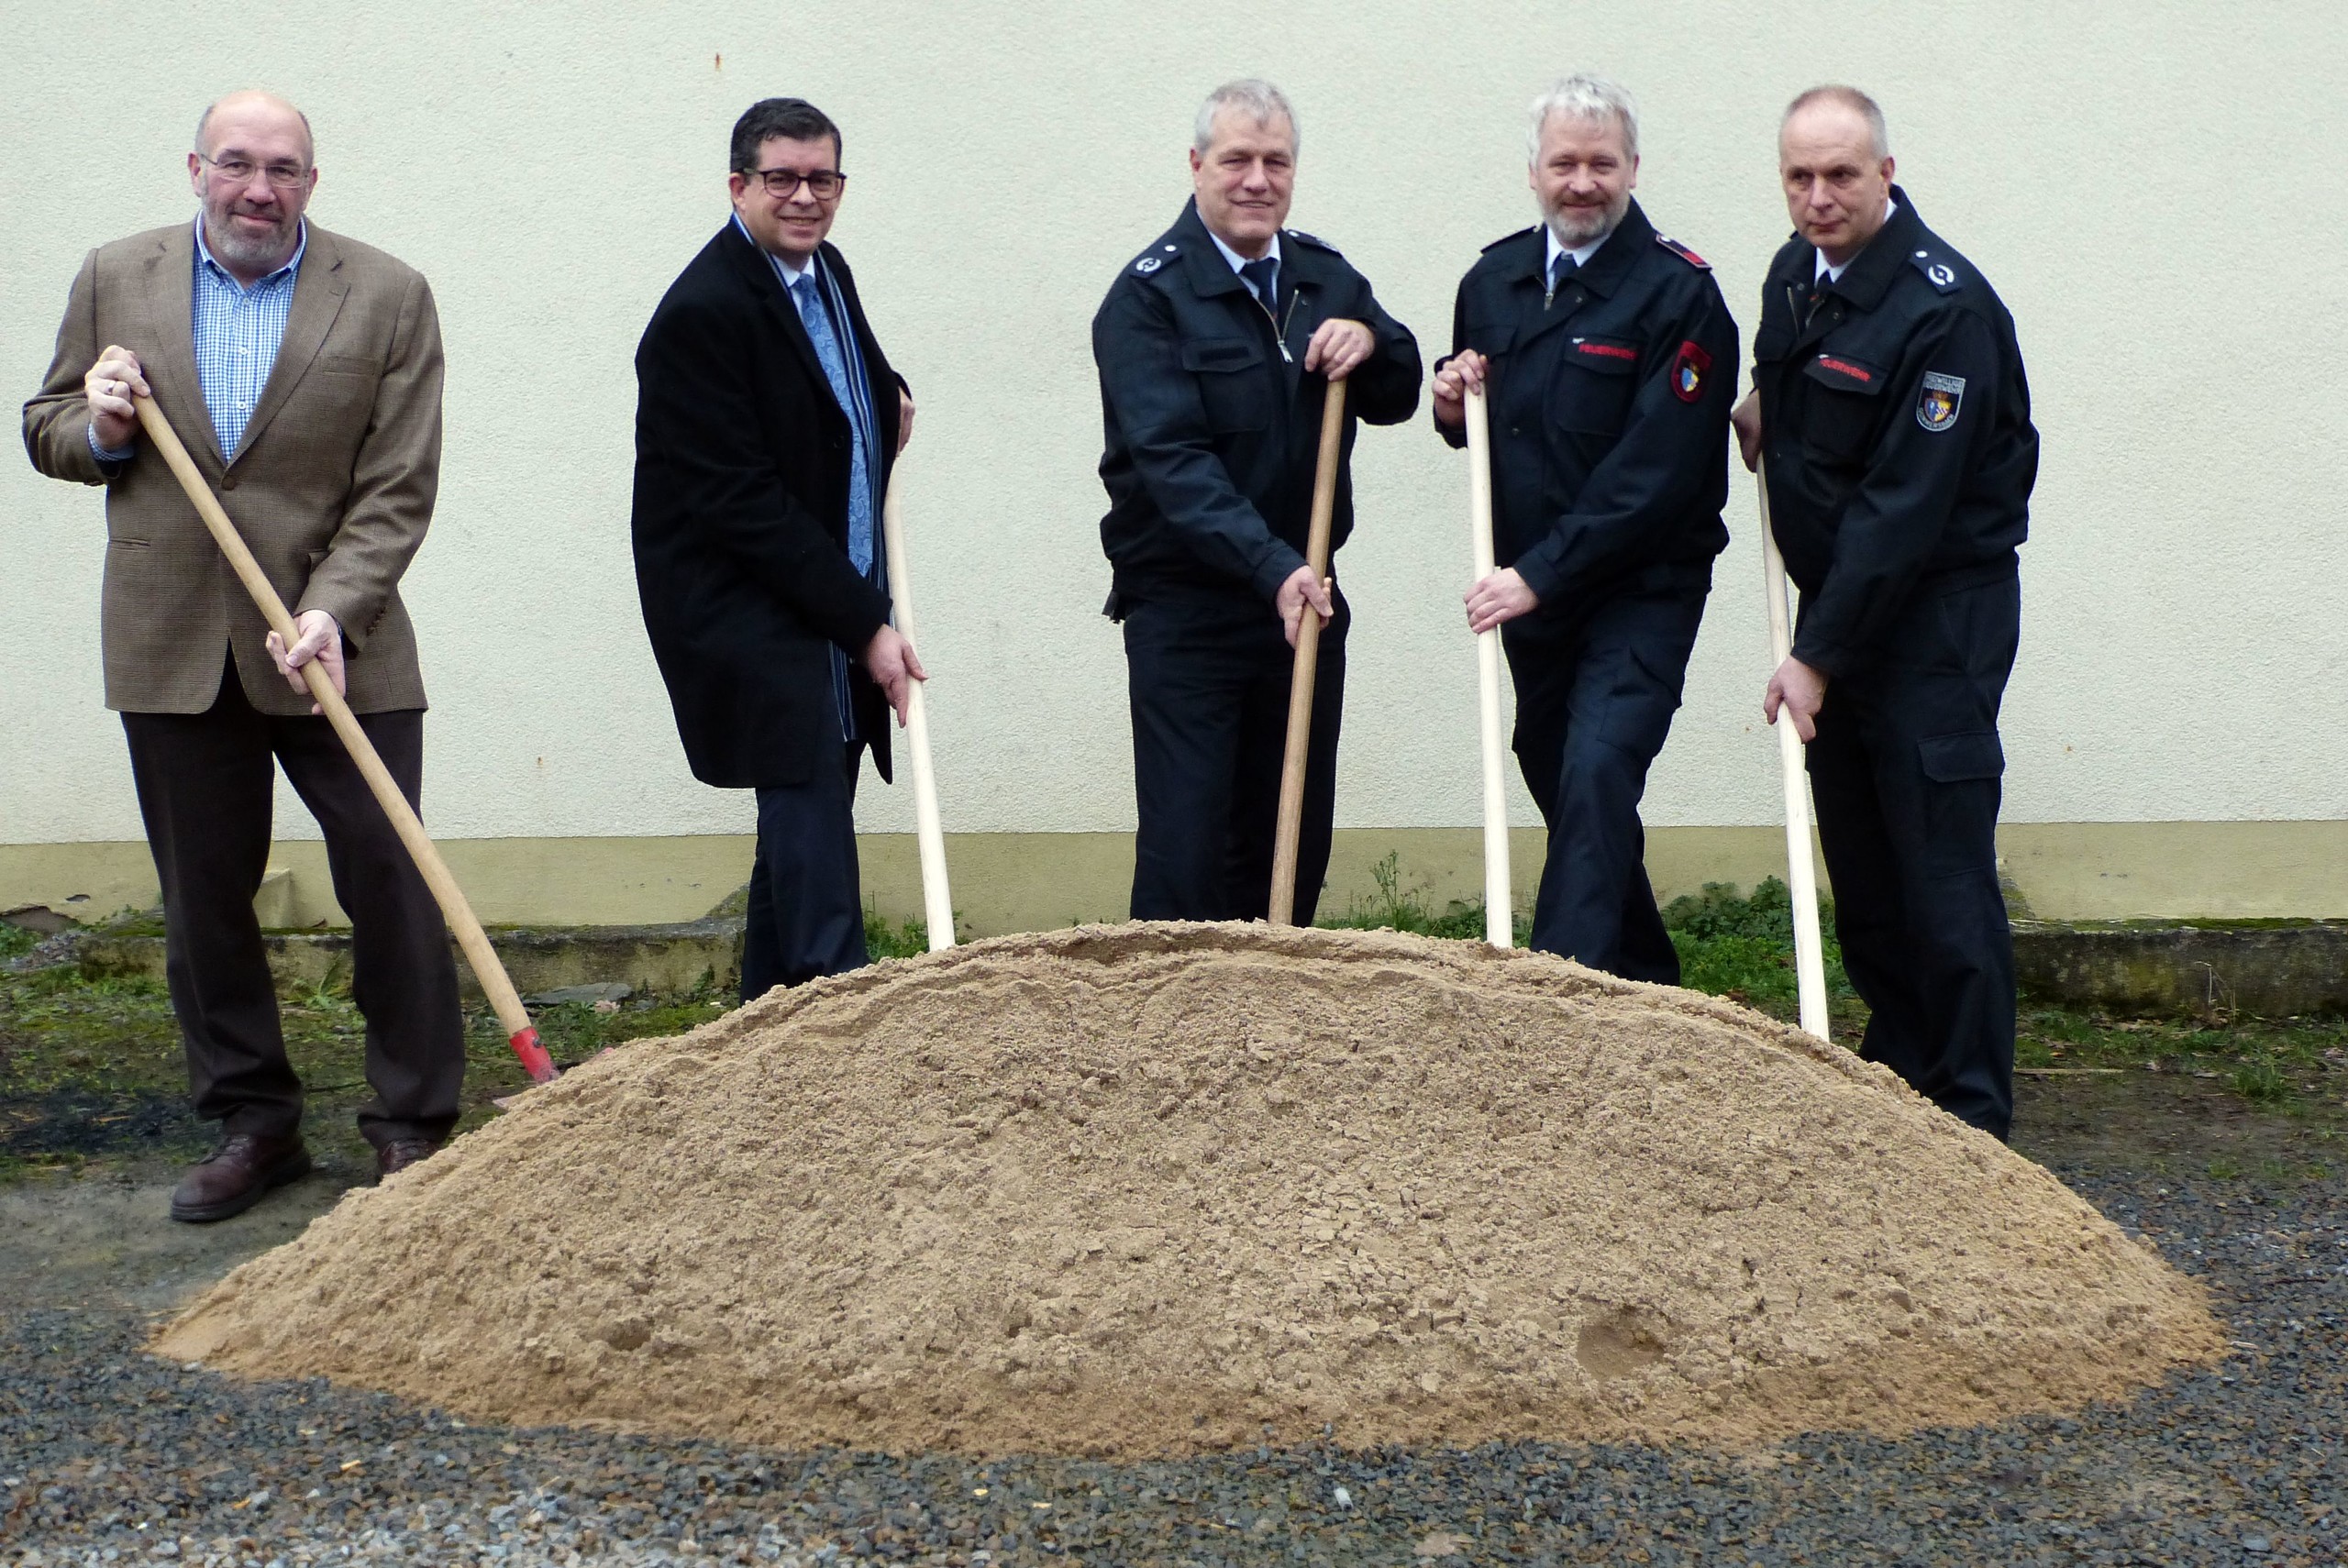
{"points": [[805, 917], [1905, 770], [1207, 681], [206, 790], [1595, 694]]}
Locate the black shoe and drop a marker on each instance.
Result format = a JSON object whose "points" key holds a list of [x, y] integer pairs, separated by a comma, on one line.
{"points": [[401, 1153], [238, 1175]]}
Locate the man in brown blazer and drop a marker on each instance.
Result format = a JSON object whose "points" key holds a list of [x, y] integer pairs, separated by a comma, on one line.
{"points": [[302, 370]]}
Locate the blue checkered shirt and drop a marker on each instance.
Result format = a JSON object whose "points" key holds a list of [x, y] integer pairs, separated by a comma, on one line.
{"points": [[237, 330]]}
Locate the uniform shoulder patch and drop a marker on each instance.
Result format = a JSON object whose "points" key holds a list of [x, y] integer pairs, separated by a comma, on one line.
{"points": [[1511, 238], [1937, 272], [1313, 239], [1683, 253], [1938, 400], [1156, 256]]}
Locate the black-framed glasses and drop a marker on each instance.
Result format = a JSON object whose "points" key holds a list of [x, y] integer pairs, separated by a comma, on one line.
{"points": [[240, 170], [784, 183]]}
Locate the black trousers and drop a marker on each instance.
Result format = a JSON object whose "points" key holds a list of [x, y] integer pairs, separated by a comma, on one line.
{"points": [[806, 903], [205, 785], [1906, 773], [1595, 694], [1208, 684]]}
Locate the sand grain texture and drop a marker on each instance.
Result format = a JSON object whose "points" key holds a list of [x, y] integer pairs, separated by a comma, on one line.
{"points": [[1150, 1188]]}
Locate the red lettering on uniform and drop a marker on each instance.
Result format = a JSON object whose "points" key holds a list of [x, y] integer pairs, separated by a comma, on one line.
{"points": [[1610, 350], [1846, 368]]}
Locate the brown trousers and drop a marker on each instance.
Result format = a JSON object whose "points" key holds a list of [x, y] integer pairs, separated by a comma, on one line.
{"points": [[205, 784]]}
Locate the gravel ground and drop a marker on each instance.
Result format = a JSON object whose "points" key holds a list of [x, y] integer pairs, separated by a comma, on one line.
{"points": [[108, 1455]]}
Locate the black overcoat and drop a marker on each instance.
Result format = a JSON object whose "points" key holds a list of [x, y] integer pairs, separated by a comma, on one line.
{"points": [[740, 520]]}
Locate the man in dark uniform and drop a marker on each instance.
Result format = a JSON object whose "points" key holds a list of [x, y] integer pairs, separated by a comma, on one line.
{"points": [[1891, 405], [1216, 347], [1608, 356]]}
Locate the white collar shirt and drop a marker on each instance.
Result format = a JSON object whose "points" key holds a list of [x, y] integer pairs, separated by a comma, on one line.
{"points": [[1581, 254], [1238, 262]]}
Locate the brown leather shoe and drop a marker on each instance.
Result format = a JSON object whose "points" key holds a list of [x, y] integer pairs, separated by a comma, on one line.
{"points": [[238, 1175], [401, 1153]]}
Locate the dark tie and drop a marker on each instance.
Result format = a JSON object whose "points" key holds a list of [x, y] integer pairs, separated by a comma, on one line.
{"points": [[1263, 276], [1561, 270]]}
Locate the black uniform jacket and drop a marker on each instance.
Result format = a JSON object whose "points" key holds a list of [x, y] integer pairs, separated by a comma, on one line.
{"points": [[1896, 425], [1212, 426], [740, 520], [1609, 407]]}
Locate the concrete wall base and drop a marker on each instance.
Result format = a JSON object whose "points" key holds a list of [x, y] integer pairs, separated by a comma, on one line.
{"points": [[2056, 871], [2283, 970]]}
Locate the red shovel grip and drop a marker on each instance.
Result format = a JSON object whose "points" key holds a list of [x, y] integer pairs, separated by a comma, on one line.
{"points": [[535, 1060]]}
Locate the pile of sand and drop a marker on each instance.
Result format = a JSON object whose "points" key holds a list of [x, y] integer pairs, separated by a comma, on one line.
{"points": [[1149, 1188]]}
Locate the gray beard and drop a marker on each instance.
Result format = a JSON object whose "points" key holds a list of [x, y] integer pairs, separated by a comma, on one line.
{"points": [[1579, 227], [260, 255]]}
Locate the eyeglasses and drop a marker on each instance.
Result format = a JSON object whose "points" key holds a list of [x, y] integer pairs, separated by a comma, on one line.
{"points": [[824, 184], [240, 170]]}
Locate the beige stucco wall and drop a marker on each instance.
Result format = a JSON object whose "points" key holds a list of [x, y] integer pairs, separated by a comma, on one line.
{"points": [[2156, 189]]}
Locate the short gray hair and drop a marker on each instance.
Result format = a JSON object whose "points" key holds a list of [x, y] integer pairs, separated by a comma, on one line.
{"points": [[1585, 98], [1851, 98], [1259, 99]]}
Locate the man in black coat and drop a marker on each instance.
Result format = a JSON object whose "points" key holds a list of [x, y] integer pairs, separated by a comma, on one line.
{"points": [[767, 420], [1609, 358], [1216, 347], [1889, 401]]}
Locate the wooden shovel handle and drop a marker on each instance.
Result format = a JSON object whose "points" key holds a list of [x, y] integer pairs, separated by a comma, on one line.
{"points": [[1308, 659], [511, 1014], [929, 835], [1802, 875], [1500, 909]]}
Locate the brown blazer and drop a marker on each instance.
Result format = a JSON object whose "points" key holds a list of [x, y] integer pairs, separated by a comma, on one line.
{"points": [[332, 487]]}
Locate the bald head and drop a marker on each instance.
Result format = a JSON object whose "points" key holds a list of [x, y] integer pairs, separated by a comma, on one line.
{"points": [[253, 168], [1834, 103], [1834, 160], [251, 110]]}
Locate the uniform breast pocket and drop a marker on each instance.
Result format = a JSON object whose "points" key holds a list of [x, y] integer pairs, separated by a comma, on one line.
{"points": [[1845, 409], [1594, 385], [1232, 383], [1493, 343]]}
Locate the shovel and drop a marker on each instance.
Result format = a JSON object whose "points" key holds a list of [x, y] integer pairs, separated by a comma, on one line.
{"points": [[1801, 876], [511, 1015], [1498, 913], [1308, 660], [937, 902]]}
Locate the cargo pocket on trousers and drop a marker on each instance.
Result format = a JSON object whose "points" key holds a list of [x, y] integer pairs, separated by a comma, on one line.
{"points": [[1645, 698], [1962, 774]]}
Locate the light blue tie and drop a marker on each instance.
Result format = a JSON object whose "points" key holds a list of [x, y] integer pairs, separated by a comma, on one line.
{"points": [[818, 322]]}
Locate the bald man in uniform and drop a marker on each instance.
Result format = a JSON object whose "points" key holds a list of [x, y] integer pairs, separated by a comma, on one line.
{"points": [[1890, 404]]}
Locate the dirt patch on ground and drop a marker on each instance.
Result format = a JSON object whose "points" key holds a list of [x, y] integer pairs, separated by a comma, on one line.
{"points": [[1154, 1188]]}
